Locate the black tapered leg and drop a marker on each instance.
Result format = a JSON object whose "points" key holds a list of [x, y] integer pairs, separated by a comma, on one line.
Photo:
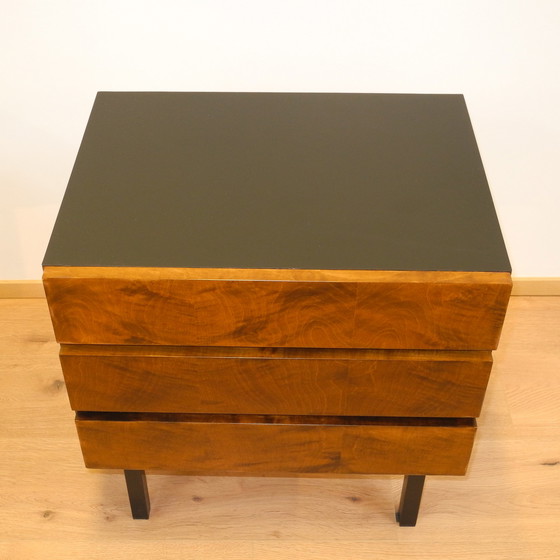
{"points": [[410, 500], [138, 494]]}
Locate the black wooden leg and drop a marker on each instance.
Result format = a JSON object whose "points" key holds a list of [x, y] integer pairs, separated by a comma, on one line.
{"points": [[138, 494], [410, 500]]}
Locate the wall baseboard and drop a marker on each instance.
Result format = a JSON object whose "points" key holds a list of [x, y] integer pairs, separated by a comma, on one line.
{"points": [[548, 286], [14, 289]]}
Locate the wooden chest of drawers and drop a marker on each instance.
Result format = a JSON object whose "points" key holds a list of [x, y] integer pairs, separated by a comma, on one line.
{"points": [[277, 283]]}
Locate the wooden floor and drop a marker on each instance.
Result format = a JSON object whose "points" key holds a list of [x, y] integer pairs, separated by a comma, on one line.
{"points": [[508, 507]]}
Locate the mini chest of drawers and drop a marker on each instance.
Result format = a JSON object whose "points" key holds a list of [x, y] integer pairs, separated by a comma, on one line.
{"points": [[277, 283]]}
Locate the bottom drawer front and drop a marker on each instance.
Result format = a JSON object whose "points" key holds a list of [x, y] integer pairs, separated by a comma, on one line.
{"points": [[222, 444]]}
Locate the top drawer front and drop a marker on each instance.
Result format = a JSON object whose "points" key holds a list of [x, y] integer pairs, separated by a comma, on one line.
{"points": [[307, 309]]}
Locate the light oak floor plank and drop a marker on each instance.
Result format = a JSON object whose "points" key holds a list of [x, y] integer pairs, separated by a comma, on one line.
{"points": [[507, 507]]}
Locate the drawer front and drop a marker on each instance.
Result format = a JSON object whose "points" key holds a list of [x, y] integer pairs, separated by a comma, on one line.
{"points": [[231, 445], [444, 310], [280, 381]]}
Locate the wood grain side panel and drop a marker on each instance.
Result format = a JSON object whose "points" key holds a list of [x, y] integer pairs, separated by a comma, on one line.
{"points": [[393, 386], [277, 314], [223, 448]]}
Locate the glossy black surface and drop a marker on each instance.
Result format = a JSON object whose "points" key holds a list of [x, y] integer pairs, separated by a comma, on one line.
{"points": [[248, 180]]}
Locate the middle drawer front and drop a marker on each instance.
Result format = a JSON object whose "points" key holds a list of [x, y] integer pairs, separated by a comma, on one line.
{"points": [[279, 381]]}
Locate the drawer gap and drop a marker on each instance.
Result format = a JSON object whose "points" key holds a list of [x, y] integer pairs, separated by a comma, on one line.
{"points": [[273, 419]]}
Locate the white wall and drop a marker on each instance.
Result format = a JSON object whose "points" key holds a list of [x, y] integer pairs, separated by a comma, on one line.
{"points": [[503, 55]]}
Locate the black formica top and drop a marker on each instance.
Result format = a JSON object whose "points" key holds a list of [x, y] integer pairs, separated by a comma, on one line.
{"points": [[279, 180]]}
